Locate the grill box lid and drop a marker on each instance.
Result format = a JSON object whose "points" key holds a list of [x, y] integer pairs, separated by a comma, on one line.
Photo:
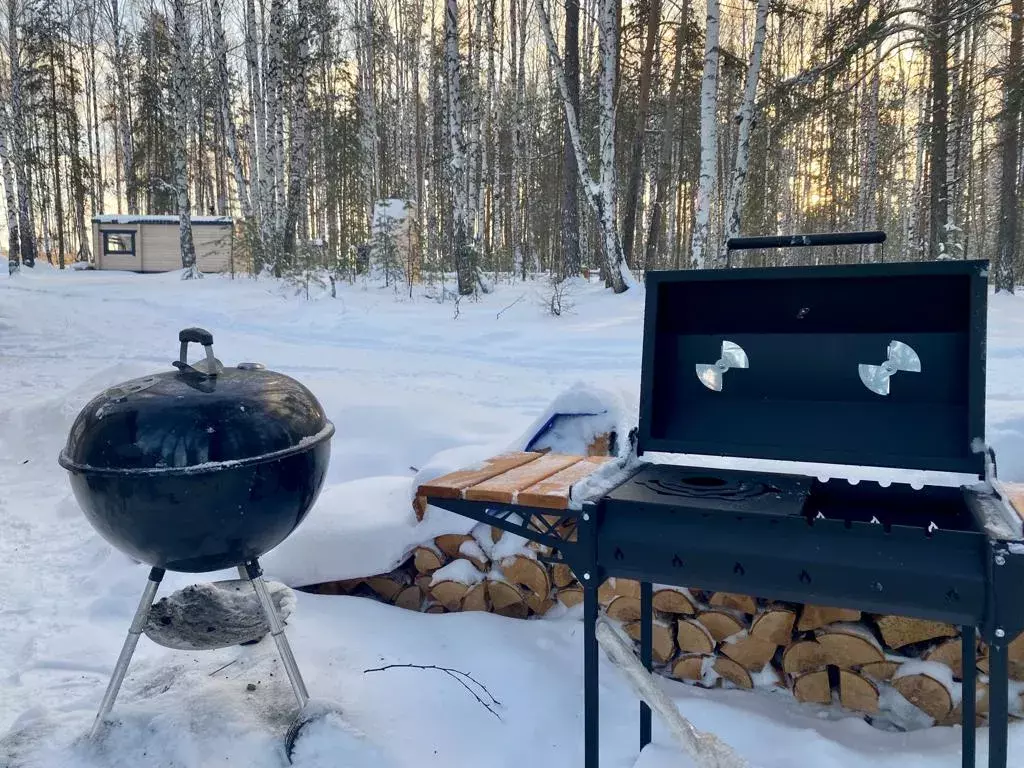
{"points": [[811, 336]]}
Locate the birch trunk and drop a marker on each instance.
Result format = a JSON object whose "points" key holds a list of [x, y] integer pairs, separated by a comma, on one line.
{"points": [[220, 55], [259, 160], [601, 194], [1013, 106], [867, 190], [745, 118], [570, 224], [26, 224], [10, 197], [179, 118], [122, 104], [464, 266], [708, 140], [275, 127], [368, 107], [299, 161]]}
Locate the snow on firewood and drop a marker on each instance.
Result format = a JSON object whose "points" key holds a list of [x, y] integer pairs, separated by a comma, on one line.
{"points": [[576, 417], [462, 571], [937, 671]]}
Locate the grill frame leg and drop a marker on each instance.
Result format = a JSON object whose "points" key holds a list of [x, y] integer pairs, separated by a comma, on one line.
{"points": [[999, 704], [124, 659], [646, 654], [968, 660], [284, 650]]}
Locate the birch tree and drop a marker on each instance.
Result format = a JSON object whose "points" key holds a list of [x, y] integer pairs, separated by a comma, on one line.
{"points": [[464, 256], [1012, 114], [600, 194], [299, 161], [708, 139], [220, 55], [26, 221], [179, 118], [745, 119], [10, 194]]}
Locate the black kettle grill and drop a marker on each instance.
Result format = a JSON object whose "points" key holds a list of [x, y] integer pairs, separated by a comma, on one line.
{"points": [[199, 469]]}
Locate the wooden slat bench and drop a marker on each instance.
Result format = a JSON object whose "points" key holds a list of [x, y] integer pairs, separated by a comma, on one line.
{"points": [[531, 479]]}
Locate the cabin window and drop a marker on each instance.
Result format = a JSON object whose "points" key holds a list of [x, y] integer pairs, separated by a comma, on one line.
{"points": [[119, 243]]}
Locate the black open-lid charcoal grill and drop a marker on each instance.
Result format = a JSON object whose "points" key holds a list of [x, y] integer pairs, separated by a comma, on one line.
{"points": [[197, 469], [874, 365]]}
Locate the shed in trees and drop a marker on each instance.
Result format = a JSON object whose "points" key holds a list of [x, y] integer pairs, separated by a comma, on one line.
{"points": [[151, 243], [394, 242]]}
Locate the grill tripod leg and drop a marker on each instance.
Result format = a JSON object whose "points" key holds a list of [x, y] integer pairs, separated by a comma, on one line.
{"points": [[156, 575], [255, 575]]}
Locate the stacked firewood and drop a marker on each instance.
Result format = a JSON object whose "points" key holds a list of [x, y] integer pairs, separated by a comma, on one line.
{"points": [[822, 655]]}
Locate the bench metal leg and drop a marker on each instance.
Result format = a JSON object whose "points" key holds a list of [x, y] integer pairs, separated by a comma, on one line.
{"points": [[646, 654], [968, 659]]}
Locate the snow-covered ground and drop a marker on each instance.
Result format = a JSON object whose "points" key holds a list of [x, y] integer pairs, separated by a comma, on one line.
{"points": [[402, 379]]}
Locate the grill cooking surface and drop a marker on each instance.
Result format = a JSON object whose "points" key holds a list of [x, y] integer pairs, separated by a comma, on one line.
{"points": [[675, 486]]}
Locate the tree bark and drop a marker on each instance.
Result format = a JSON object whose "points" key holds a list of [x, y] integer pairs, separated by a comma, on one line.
{"points": [[220, 55], [464, 261], [299, 160], [179, 108], [10, 196], [668, 129], [570, 230], [636, 160], [745, 118], [708, 140], [19, 141], [1013, 107], [938, 130]]}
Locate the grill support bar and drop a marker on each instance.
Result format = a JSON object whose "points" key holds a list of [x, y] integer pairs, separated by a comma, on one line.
{"points": [[156, 575]]}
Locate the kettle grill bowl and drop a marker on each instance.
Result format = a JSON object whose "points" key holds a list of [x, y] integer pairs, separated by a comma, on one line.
{"points": [[200, 522]]}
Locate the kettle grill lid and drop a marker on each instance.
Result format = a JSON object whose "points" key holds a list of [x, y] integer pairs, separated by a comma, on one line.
{"points": [[869, 365], [200, 418]]}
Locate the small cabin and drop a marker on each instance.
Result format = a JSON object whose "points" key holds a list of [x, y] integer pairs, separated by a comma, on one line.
{"points": [[152, 244]]}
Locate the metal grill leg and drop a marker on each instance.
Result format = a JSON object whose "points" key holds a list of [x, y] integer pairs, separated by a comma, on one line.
{"points": [[156, 575], [646, 653], [968, 661], [591, 707], [998, 692], [255, 574]]}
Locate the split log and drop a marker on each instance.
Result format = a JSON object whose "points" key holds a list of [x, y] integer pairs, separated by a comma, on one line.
{"points": [[561, 575], [389, 585], [926, 693], [676, 601], [694, 637], [419, 507], [880, 671], [815, 616], [751, 653], [570, 596], [663, 638], [1015, 651], [804, 657], [613, 588], [531, 576], [423, 581], [507, 600], [721, 622], [949, 653], [898, 631], [435, 608], [813, 687], [733, 672], [741, 603], [427, 560], [624, 608], [690, 666], [449, 543], [476, 598], [857, 693], [449, 594], [410, 598], [774, 625], [847, 648]]}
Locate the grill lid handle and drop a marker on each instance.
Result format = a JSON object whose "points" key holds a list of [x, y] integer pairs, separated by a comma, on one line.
{"points": [[207, 368]]}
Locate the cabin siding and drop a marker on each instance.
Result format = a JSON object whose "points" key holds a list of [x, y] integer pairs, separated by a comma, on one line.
{"points": [[157, 246]]}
